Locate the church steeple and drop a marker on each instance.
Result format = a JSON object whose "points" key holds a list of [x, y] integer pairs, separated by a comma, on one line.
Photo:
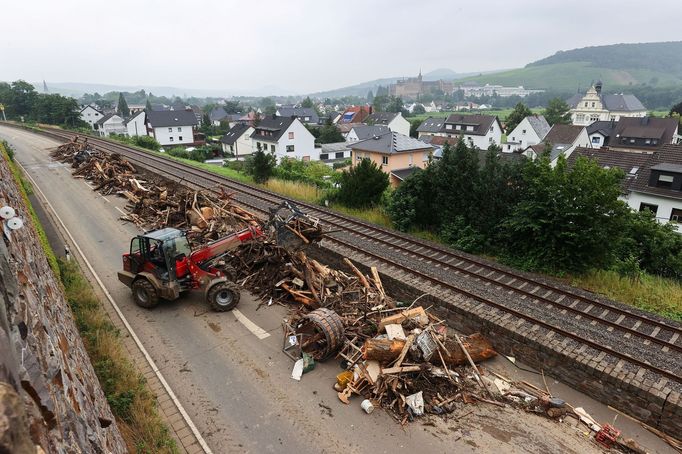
{"points": [[420, 75]]}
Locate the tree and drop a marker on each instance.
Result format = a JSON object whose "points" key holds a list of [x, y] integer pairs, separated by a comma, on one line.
{"points": [[307, 102], [260, 165], [418, 109], [517, 115], [370, 96], [413, 203], [456, 179], [414, 124], [676, 109], [362, 185], [557, 112], [122, 107], [329, 134], [148, 106], [232, 107]]}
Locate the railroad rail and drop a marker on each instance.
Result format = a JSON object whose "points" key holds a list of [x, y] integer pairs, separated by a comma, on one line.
{"points": [[447, 265]]}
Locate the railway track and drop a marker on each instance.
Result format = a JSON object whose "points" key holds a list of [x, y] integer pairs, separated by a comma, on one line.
{"points": [[652, 338]]}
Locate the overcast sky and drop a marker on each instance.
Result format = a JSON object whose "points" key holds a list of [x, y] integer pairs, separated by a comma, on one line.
{"points": [[302, 46]]}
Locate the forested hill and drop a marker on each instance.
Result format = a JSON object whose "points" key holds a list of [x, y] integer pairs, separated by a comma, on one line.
{"points": [[664, 57]]}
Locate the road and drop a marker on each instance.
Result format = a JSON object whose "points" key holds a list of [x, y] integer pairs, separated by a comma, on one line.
{"points": [[236, 385]]}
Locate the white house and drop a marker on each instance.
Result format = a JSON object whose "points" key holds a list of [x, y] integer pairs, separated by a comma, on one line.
{"points": [[564, 139], [530, 131], [363, 132], [90, 115], [305, 114], [136, 125], [238, 140], [477, 130], [595, 106], [392, 120], [285, 137], [172, 127], [110, 124]]}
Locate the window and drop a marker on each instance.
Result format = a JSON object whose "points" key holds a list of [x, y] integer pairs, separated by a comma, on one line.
{"points": [[179, 138], [523, 131], [290, 148], [585, 104], [458, 127], [580, 117], [231, 147], [665, 181], [384, 160], [632, 140], [170, 129], [448, 126], [648, 206], [291, 136], [324, 156], [272, 148], [170, 139], [358, 157], [594, 118], [592, 104], [491, 129], [339, 155], [596, 140], [411, 162], [470, 128], [676, 215], [427, 156]]}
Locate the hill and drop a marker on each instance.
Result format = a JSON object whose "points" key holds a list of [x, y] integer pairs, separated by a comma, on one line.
{"points": [[617, 65]]}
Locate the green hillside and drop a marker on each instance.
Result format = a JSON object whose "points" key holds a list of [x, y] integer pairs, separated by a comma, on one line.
{"points": [[618, 65]]}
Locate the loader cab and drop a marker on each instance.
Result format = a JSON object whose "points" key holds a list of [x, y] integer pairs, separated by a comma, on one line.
{"points": [[163, 252]]}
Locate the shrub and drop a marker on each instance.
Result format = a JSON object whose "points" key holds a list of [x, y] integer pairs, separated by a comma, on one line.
{"points": [[362, 185], [260, 165], [178, 152], [234, 165], [147, 142]]}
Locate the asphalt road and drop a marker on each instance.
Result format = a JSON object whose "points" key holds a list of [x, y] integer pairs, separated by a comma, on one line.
{"points": [[235, 385]]}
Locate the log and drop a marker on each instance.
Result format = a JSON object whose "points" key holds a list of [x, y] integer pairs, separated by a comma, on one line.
{"points": [[479, 349], [382, 350], [357, 272], [417, 312], [400, 370]]}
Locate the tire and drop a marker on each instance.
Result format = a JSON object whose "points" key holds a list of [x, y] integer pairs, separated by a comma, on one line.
{"points": [[223, 296], [327, 323], [145, 294]]}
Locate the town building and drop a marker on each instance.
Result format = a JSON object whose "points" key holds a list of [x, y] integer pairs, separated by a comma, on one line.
{"points": [[413, 87], [110, 124], [136, 125], [285, 137], [596, 106], [477, 130], [90, 115], [363, 132], [392, 120], [394, 153], [238, 140], [217, 115], [530, 131], [171, 127], [354, 114], [563, 139], [331, 153], [600, 132], [472, 90], [645, 134], [305, 114]]}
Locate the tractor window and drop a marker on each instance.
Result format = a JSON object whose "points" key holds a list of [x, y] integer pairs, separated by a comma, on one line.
{"points": [[175, 246], [135, 246]]}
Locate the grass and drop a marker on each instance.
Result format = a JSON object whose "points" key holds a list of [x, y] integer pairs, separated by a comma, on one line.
{"points": [[375, 215], [649, 293], [133, 405], [295, 190], [500, 113]]}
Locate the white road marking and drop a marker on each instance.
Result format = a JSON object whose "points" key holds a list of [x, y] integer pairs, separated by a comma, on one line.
{"points": [[137, 340], [257, 331], [121, 211]]}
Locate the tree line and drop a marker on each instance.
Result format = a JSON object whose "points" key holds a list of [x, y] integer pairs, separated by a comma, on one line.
{"points": [[21, 102]]}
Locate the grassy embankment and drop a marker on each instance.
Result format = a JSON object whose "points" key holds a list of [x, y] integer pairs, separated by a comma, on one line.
{"points": [[500, 113], [132, 403]]}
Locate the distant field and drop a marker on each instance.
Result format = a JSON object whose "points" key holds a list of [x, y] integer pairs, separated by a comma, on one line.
{"points": [[501, 113]]}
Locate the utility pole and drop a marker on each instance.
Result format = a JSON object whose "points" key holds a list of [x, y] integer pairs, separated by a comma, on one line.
{"points": [[2, 107]]}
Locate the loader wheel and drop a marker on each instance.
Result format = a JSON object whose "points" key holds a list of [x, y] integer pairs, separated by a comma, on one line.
{"points": [[223, 296], [145, 294], [322, 333]]}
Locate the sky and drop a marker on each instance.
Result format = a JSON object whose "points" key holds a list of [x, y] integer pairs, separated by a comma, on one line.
{"points": [[303, 46]]}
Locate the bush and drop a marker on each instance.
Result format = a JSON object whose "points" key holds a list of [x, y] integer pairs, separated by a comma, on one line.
{"points": [[147, 142], [178, 152], [9, 150], [363, 185], [312, 172], [260, 165], [234, 165]]}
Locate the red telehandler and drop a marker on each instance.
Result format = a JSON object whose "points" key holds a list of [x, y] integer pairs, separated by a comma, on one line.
{"points": [[161, 264]]}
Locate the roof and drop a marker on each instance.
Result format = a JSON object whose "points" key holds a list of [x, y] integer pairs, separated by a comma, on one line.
{"points": [[217, 114], [234, 133], [604, 127], [105, 118], [160, 119], [389, 143], [380, 118], [630, 163], [661, 129], [539, 125], [133, 116], [92, 107], [431, 124], [621, 102], [300, 112], [334, 147], [366, 131], [270, 129], [355, 114], [564, 134], [401, 174], [668, 158], [481, 123]]}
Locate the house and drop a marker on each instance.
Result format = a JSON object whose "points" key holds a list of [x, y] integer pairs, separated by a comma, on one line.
{"points": [[595, 106], [477, 130], [658, 186], [645, 134], [305, 114], [630, 163], [110, 124], [334, 152], [355, 114], [396, 154], [198, 113], [563, 139], [172, 127], [600, 132], [90, 115], [238, 140], [136, 125], [530, 131], [430, 126], [135, 108], [285, 137], [217, 115], [393, 120], [362, 132]]}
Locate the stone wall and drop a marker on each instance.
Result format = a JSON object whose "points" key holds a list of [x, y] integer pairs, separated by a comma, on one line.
{"points": [[648, 398], [50, 398]]}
